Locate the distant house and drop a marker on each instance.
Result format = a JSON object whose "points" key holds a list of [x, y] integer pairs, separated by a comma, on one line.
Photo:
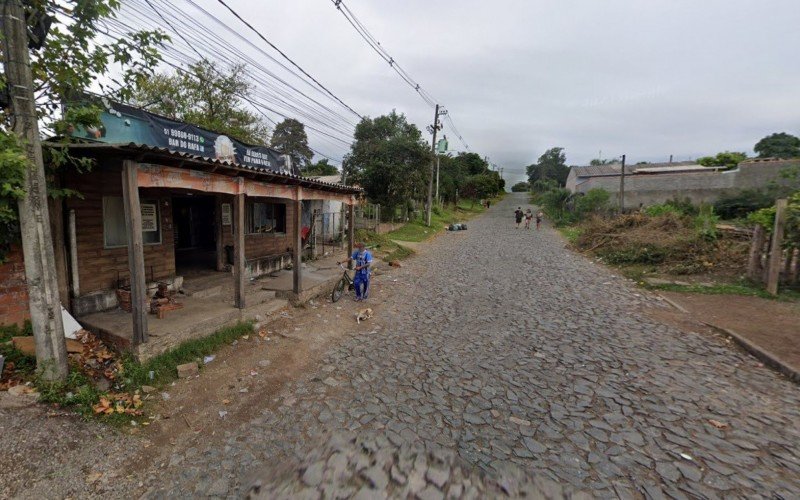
{"points": [[653, 183]]}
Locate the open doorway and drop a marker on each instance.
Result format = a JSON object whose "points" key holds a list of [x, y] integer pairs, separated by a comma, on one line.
{"points": [[194, 222]]}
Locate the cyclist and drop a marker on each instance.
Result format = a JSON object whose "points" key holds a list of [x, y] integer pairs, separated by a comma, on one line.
{"points": [[363, 259]]}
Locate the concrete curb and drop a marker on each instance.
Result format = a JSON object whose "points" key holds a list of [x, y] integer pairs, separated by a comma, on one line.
{"points": [[767, 357], [673, 304]]}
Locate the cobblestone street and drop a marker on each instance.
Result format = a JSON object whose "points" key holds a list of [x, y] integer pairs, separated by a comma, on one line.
{"points": [[502, 346]]}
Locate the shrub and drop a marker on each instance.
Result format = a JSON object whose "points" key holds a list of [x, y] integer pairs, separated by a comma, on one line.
{"points": [[593, 202], [737, 205], [705, 222]]}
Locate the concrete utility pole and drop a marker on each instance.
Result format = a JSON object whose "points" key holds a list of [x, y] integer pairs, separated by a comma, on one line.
{"points": [[622, 187], [37, 243], [433, 167]]}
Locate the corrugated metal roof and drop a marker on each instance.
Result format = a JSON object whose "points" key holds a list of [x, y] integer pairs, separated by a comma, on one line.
{"points": [[647, 169], [132, 146], [598, 170]]}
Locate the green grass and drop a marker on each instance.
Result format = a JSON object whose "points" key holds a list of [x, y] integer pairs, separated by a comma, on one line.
{"points": [[79, 393], [570, 233], [381, 245], [416, 231], [164, 366], [8, 331], [728, 289]]}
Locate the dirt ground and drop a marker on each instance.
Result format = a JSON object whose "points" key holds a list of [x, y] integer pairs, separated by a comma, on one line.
{"points": [[772, 325], [185, 413]]}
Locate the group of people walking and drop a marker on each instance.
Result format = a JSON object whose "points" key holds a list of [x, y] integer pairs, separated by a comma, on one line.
{"points": [[528, 216]]}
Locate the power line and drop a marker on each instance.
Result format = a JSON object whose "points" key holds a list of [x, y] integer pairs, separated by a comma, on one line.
{"points": [[287, 57], [384, 54], [256, 105], [118, 27]]}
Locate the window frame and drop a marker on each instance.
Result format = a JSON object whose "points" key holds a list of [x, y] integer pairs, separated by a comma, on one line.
{"points": [[152, 201], [249, 212]]}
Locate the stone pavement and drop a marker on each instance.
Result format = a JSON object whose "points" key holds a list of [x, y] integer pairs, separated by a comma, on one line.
{"points": [[506, 349]]}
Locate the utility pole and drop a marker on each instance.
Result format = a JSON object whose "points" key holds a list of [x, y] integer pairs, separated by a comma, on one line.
{"points": [[433, 166], [37, 243], [622, 187]]}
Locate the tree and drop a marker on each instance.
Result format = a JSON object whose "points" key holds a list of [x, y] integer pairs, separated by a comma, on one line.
{"points": [[520, 187], [727, 159], [320, 168], [609, 161], [67, 58], [206, 97], [290, 138], [389, 160], [551, 165], [472, 163], [778, 145]]}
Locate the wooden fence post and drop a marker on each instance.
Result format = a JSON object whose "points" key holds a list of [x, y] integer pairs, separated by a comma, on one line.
{"points": [[776, 252], [756, 249]]}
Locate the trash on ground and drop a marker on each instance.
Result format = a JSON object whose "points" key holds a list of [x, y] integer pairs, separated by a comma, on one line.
{"points": [[718, 424], [208, 359]]}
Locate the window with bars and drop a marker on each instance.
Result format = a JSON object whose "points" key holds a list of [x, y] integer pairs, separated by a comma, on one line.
{"points": [[265, 218]]}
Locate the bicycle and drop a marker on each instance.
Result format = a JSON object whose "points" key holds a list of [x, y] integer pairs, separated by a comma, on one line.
{"points": [[345, 283]]}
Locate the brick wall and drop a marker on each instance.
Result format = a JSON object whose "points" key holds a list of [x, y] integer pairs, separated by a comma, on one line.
{"points": [[13, 289]]}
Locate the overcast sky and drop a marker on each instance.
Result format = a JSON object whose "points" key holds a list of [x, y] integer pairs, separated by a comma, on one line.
{"points": [[648, 78]]}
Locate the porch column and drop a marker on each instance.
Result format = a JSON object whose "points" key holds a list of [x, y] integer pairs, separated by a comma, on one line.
{"points": [[219, 233], [297, 223], [133, 224], [351, 229], [238, 250]]}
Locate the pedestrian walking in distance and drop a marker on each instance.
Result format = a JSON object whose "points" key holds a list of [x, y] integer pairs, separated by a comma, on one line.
{"points": [[539, 216], [363, 260], [528, 218], [518, 216]]}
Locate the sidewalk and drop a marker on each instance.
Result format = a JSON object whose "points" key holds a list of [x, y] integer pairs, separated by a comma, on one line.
{"points": [[768, 326]]}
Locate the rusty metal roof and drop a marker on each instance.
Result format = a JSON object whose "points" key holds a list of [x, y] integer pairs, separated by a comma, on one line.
{"points": [[138, 149]]}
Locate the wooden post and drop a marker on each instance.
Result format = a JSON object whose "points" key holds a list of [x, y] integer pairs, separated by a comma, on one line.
{"points": [[133, 224], [297, 223], [756, 249], [776, 252], [219, 233], [73, 254], [37, 244], [238, 250], [622, 187], [351, 229]]}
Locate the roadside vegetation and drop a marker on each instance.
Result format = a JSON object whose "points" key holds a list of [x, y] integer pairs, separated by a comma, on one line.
{"points": [[124, 399], [676, 245]]}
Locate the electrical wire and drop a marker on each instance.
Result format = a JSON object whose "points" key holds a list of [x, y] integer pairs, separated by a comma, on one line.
{"points": [[384, 54]]}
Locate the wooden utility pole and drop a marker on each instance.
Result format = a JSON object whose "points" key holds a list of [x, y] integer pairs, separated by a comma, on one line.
{"points": [[433, 167], [622, 187], [133, 225], [776, 247], [37, 242]]}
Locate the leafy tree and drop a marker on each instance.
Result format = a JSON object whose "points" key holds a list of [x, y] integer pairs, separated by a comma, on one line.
{"points": [[778, 145], [727, 159], [290, 138], [472, 163], [551, 165], [389, 160], [320, 168], [71, 59], [207, 97], [608, 161]]}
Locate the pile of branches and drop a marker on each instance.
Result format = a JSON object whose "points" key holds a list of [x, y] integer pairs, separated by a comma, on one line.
{"points": [[668, 241]]}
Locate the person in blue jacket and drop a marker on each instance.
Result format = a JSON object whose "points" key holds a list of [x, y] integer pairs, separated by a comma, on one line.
{"points": [[363, 260]]}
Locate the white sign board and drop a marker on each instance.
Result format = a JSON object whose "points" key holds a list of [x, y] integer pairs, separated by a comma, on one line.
{"points": [[149, 218], [226, 214]]}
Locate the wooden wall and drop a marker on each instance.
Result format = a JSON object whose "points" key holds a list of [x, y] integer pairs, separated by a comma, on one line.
{"points": [[98, 267]]}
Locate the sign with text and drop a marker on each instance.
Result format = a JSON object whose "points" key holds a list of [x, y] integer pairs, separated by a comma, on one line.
{"points": [[122, 124]]}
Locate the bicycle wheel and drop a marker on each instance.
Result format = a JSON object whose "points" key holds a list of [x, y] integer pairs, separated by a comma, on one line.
{"points": [[338, 290]]}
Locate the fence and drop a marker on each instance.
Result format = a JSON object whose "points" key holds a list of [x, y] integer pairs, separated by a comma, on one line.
{"points": [[328, 234], [769, 261]]}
